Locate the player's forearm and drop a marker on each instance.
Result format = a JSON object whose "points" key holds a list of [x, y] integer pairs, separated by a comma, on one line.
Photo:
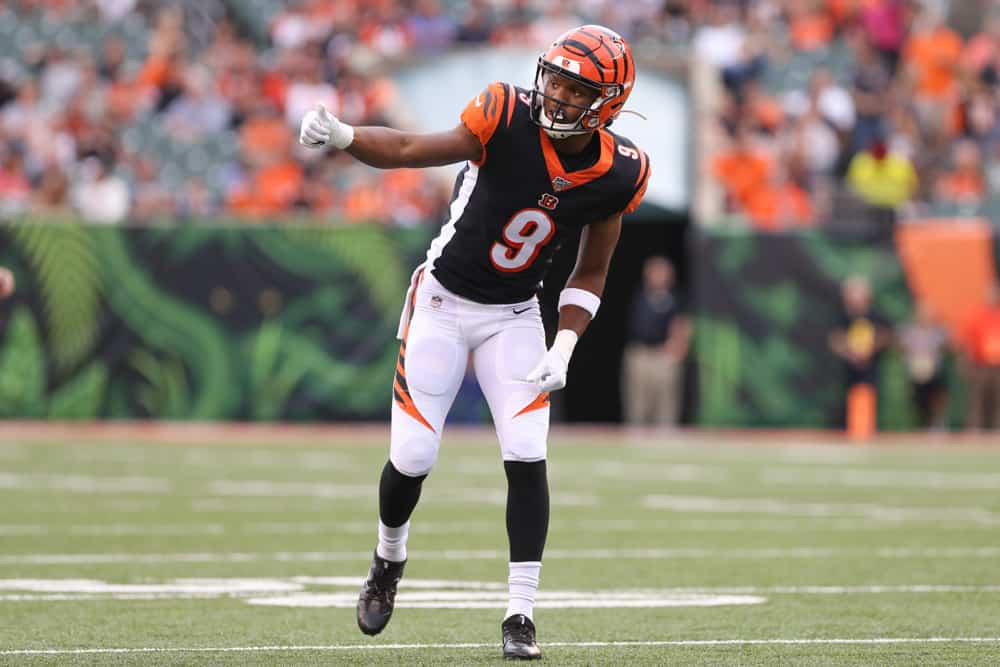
{"points": [[381, 147], [386, 148], [574, 318]]}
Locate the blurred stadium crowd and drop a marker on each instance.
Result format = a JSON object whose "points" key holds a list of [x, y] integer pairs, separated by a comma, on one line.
{"points": [[832, 105], [141, 110], [147, 110]]}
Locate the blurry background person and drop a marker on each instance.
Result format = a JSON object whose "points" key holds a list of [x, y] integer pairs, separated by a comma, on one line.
{"points": [[859, 339], [924, 344], [982, 363], [6, 283], [658, 336]]}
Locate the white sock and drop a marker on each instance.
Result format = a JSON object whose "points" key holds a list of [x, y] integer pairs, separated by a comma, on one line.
{"points": [[523, 582], [392, 542]]}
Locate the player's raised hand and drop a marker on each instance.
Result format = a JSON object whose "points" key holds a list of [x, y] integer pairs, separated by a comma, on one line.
{"points": [[320, 128]]}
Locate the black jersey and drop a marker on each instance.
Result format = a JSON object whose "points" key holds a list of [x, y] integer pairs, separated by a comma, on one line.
{"points": [[512, 209]]}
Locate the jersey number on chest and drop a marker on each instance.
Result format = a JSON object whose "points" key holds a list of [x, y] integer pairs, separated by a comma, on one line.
{"points": [[521, 239]]}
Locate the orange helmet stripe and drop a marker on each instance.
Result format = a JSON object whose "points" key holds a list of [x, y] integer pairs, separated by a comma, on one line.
{"points": [[585, 51]]}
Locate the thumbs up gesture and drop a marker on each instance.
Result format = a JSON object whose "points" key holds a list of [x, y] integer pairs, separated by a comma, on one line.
{"points": [[320, 128]]}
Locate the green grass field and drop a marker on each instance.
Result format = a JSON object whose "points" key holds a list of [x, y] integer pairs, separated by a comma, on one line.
{"points": [[668, 550]]}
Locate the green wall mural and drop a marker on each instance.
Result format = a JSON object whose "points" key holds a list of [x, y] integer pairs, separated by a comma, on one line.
{"points": [[765, 304], [203, 321]]}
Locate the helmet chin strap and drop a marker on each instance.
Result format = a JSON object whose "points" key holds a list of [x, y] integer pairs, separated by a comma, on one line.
{"points": [[559, 134], [556, 134]]}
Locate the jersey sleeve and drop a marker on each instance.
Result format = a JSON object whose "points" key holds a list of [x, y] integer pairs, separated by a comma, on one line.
{"points": [[640, 183], [489, 110]]}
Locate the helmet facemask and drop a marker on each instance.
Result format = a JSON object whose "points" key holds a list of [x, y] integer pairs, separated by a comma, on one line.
{"points": [[588, 119]]}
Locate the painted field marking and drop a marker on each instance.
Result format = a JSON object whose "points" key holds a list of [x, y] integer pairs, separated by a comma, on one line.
{"points": [[719, 505], [497, 554], [478, 495], [623, 644], [85, 483], [555, 600], [882, 478], [437, 593], [788, 524], [420, 593]]}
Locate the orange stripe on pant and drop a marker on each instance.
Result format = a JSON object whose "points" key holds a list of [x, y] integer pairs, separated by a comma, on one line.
{"points": [[541, 401], [400, 390]]}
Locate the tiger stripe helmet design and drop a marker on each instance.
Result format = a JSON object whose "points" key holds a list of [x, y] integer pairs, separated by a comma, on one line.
{"points": [[596, 57]]}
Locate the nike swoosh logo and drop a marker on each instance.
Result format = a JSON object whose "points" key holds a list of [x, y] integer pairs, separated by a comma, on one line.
{"points": [[524, 310]]}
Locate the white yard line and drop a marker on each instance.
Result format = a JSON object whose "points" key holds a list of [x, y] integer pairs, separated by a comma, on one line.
{"points": [[432, 593], [881, 478], [497, 554], [789, 524], [786, 525], [724, 505], [84, 483], [493, 645], [363, 492]]}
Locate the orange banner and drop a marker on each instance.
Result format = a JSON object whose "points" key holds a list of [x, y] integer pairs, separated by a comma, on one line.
{"points": [[949, 266]]}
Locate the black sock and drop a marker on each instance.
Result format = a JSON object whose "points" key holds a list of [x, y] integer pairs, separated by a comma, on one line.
{"points": [[397, 495], [527, 509]]}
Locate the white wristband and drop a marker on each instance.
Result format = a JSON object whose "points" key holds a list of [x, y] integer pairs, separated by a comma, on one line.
{"points": [[342, 135], [589, 301], [564, 343]]}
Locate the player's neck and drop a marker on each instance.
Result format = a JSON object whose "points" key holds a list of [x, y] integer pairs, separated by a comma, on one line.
{"points": [[574, 144]]}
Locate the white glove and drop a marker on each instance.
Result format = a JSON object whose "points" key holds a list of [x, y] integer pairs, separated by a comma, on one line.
{"points": [[321, 128], [550, 373]]}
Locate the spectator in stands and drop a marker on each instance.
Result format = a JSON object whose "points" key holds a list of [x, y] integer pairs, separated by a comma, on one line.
{"points": [[982, 363], [6, 282], [924, 344], [810, 25], [476, 26], [720, 41], [197, 202], [859, 338], [657, 338], [98, 194], [932, 55], [61, 77], [433, 31], [982, 52], [964, 183], [979, 117], [199, 110], [871, 94], [885, 24], [306, 88], [992, 171], [15, 190], [294, 27], [113, 11], [780, 203], [743, 167], [51, 194], [880, 178], [832, 102], [151, 199]]}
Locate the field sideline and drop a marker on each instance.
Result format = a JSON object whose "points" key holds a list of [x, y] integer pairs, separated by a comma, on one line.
{"points": [[245, 544]]}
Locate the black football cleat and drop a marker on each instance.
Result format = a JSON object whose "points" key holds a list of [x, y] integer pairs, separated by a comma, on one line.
{"points": [[378, 595], [519, 638]]}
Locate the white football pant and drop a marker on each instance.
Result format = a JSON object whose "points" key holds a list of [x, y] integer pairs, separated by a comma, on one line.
{"points": [[438, 330]]}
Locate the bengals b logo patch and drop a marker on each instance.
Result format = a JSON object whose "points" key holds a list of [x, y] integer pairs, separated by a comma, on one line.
{"points": [[548, 201]]}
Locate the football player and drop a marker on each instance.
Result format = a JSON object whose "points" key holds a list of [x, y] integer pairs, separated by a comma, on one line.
{"points": [[540, 167]]}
